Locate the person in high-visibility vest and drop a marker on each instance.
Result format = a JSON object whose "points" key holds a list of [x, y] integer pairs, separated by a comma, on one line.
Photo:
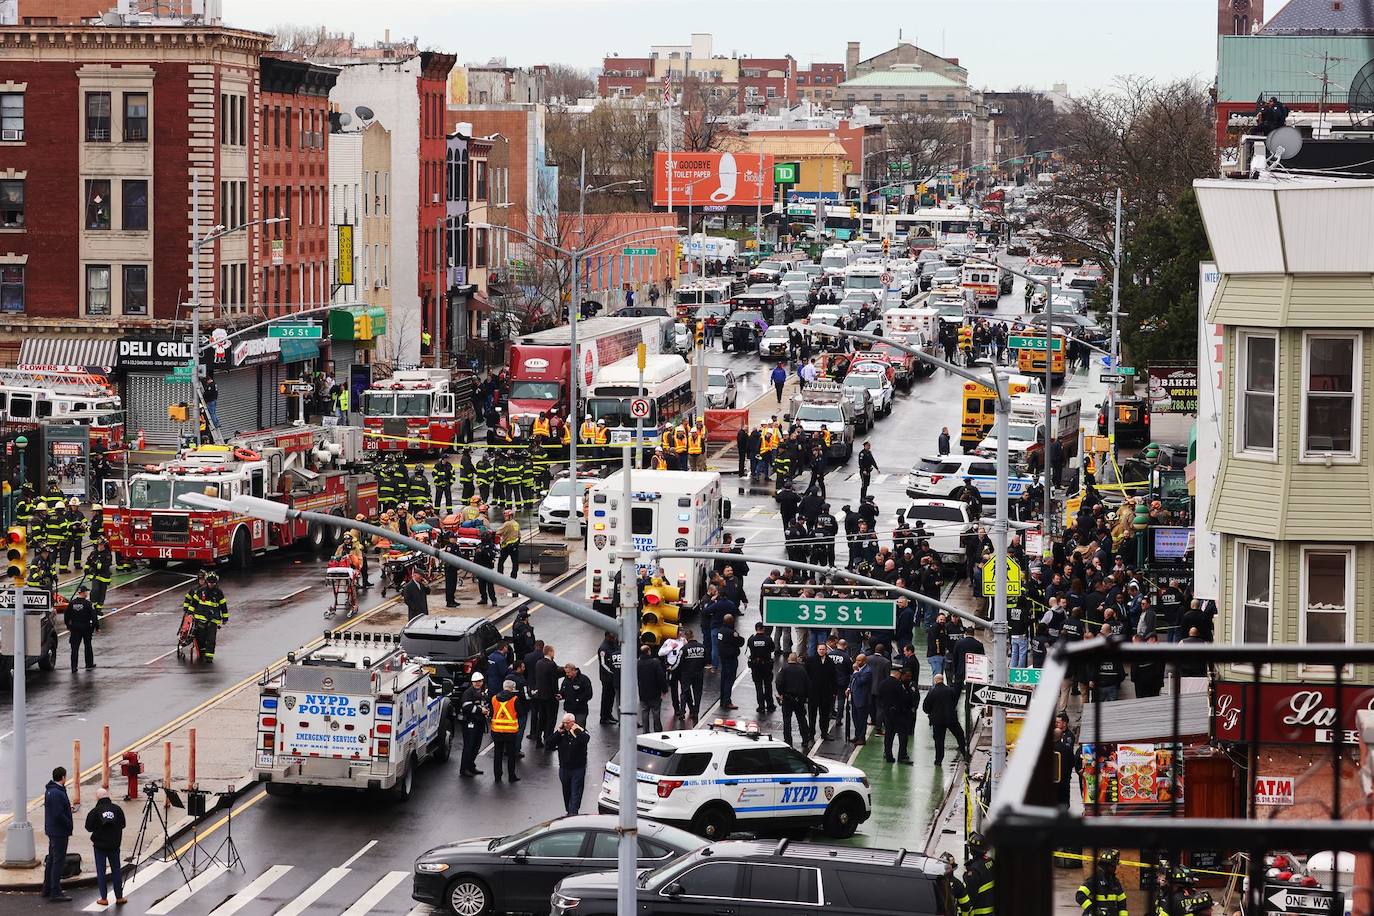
{"points": [[1089, 469], [541, 429], [586, 436], [505, 729], [680, 446], [696, 447], [665, 443], [603, 439], [660, 461], [768, 443]]}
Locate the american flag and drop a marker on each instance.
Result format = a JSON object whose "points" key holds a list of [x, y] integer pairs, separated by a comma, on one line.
{"points": [[667, 89]]}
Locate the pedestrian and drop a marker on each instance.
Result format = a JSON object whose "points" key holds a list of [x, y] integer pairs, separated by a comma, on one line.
{"points": [[576, 692], [942, 444], [779, 379], [860, 696], [473, 713], [505, 730], [899, 716], [692, 674], [82, 621], [728, 644], [570, 741], [941, 707], [761, 648], [820, 700], [608, 670], [545, 691], [105, 823], [653, 684], [416, 595], [937, 643], [793, 687], [57, 826], [742, 447]]}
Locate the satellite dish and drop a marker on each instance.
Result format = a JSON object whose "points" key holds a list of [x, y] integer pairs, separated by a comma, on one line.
{"points": [[345, 119], [364, 112], [1284, 142], [1360, 98]]}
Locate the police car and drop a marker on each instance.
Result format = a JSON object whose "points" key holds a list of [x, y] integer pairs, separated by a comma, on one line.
{"points": [[729, 776]]}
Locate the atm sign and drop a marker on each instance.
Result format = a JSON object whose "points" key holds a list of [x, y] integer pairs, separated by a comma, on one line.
{"points": [[1274, 790]]}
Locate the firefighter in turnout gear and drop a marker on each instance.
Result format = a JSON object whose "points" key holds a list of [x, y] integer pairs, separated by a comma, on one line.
{"points": [[1102, 894], [25, 507], [418, 491], [529, 478], [443, 483], [73, 534], [54, 499], [211, 613], [978, 885], [43, 570], [485, 474], [97, 569], [387, 497]]}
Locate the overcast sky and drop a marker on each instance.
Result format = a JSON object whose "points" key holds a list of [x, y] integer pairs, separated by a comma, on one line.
{"points": [[1004, 43]]}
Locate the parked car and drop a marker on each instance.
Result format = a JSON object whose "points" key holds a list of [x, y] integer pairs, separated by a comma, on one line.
{"points": [[553, 510], [721, 390], [944, 522]]}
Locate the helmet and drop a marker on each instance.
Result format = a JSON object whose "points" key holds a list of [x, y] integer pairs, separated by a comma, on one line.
{"points": [[73, 502], [97, 508], [975, 842], [1109, 857], [212, 578], [1183, 875]]}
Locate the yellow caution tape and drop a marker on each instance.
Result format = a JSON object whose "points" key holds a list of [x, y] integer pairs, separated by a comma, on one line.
{"points": [[1059, 854]]}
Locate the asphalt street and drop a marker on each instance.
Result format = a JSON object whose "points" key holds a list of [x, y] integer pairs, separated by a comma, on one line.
{"points": [[348, 853]]}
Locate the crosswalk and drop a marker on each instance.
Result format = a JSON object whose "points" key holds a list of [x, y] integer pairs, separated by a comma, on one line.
{"points": [[159, 889]]}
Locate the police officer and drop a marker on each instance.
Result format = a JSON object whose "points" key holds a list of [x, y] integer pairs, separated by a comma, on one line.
{"points": [[692, 672], [522, 634], [608, 663], [473, 712], [827, 529], [1102, 893], [97, 568], [761, 648], [443, 483], [792, 685], [212, 612], [81, 620], [867, 465], [506, 714]]}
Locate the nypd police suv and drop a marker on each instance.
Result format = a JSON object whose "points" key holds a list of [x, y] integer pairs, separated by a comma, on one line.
{"points": [[716, 779]]}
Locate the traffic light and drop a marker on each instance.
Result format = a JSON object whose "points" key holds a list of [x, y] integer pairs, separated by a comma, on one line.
{"points": [[17, 555], [965, 338], [362, 327], [701, 334], [658, 616], [887, 243], [178, 413]]}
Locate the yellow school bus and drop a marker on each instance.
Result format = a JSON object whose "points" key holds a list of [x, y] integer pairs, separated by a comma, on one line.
{"points": [[980, 407], [1032, 362]]}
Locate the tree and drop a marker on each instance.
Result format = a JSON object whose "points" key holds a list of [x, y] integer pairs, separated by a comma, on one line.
{"points": [[619, 140], [1149, 139], [931, 143], [708, 110], [563, 83], [1029, 121], [1161, 295]]}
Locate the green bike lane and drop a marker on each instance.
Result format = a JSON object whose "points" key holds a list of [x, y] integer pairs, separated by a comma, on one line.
{"points": [[906, 799]]}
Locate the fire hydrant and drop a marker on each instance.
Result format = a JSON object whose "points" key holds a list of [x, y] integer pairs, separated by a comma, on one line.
{"points": [[131, 768]]}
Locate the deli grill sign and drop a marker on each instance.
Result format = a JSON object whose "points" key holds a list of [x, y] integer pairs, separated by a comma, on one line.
{"points": [[137, 353], [1288, 713]]}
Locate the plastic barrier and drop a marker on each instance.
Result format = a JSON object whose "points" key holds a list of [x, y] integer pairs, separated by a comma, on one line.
{"points": [[722, 425]]}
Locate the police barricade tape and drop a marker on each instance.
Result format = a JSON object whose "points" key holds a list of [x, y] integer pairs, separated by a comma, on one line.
{"points": [[1077, 857]]}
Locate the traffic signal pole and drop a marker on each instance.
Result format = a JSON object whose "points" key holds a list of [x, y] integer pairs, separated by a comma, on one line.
{"points": [[19, 845]]}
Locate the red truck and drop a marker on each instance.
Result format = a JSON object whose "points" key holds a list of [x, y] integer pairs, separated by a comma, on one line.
{"points": [[541, 363]]}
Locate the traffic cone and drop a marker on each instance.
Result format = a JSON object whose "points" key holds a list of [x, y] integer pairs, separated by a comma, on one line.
{"points": [[142, 441]]}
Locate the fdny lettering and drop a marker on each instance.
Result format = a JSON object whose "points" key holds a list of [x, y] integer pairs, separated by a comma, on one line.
{"points": [[795, 795]]}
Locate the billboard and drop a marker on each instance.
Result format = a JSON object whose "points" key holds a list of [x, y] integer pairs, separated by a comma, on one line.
{"points": [[729, 179]]}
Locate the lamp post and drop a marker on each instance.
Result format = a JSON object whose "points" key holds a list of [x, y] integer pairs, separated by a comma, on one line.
{"points": [[19, 845], [573, 527]]}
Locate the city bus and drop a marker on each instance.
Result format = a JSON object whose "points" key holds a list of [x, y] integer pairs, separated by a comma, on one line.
{"points": [[667, 384]]}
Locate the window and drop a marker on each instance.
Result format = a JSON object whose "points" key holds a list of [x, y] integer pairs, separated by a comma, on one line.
{"points": [[786, 760], [784, 884], [12, 288], [1255, 580], [97, 117], [97, 289], [287, 119], [1327, 587], [12, 116], [714, 879], [869, 890], [752, 761], [1259, 384], [563, 844], [12, 204], [97, 204], [479, 241], [134, 215], [1330, 366], [479, 172], [135, 117], [136, 289]]}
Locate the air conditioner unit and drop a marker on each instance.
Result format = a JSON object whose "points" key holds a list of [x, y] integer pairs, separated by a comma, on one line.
{"points": [[11, 134], [434, 199], [376, 284]]}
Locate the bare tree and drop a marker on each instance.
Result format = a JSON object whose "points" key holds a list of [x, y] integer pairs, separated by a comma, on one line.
{"points": [[707, 112], [563, 83], [619, 142], [1029, 119], [930, 143]]}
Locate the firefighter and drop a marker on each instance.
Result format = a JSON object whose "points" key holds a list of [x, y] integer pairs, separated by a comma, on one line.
{"points": [[505, 729], [96, 526], [484, 474], [530, 477], [74, 531], [418, 492], [467, 477], [25, 507], [388, 493], [97, 568], [39, 525], [511, 475], [43, 570], [54, 499], [977, 899], [1102, 893], [443, 483], [211, 613], [696, 446], [191, 600], [782, 461]]}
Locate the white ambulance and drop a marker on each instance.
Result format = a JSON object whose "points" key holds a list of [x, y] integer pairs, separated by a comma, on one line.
{"points": [[668, 510], [353, 713]]}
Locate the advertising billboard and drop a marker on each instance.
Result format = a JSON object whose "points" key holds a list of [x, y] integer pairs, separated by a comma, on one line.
{"points": [[729, 179]]}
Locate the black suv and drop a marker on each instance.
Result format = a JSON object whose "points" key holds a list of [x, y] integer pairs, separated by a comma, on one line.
{"points": [[751, 878], [452, 647]]}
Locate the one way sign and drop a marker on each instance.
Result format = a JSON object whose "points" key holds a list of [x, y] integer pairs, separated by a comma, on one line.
{"points": [[1008, 697], [1302, 901]]}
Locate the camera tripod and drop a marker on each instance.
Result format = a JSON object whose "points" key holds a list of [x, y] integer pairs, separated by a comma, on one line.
{"points": [[152, 814]]}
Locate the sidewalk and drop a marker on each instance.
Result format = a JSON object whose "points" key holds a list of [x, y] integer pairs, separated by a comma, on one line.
{"points": [[762, 409], [225, 728]]}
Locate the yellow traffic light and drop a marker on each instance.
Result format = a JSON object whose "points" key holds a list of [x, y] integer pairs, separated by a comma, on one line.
{"points": [[362, 327], [17, 555], [701, 334], [887, 243]]}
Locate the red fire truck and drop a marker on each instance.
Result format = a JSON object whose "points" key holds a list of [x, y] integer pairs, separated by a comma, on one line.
{"points": [[64, 396], [419, 410], [299, 467]]}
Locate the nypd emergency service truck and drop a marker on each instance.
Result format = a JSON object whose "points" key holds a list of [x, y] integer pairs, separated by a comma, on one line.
{"points": [[669, 510], [729, 776], [352, 713]]}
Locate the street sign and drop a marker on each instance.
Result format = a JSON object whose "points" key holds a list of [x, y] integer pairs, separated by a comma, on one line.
{"points": [[1126, 370], [178, 375], [296, 331], [826, 612], [1023, 676], [1013, 579], [1006, 697], [1110, 376], [638, 252], [639, 408], [35, 599], [1017, 342], [976, 668], [1302, 901]]}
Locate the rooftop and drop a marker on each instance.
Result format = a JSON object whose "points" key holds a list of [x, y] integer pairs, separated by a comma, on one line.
{"points": [[1288, 66], [904, 78], [1322, 17]]}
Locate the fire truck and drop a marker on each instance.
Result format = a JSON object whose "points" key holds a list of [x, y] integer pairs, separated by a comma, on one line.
{"points": [[51, 396], [419, 410], [308, 467]]}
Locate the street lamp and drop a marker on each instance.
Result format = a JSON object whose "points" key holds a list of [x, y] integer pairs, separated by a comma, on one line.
{"points": [[572, 527]]}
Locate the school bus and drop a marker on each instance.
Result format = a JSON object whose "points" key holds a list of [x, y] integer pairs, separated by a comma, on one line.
{"points": [[980, 407], [1032, 362]]}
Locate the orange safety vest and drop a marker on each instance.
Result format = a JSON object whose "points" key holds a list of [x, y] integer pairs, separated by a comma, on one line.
{"points": [[660, 463], [825, 437], [541, 427], [679, 440], [504, 720], [603, 435], [588, 431], [695, 442], [767, 440], [567, 433], [666, 439]]}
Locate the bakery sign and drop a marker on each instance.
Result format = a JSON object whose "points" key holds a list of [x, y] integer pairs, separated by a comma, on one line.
{"points": [[255, 351], [1288, 713]]}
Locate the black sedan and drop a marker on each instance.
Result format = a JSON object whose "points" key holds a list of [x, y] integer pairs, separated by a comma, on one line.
{"points": [[518, 872]]}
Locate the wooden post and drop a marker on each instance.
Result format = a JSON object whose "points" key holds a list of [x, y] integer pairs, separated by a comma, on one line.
{"points": [[76, 772], [166, 772], [104, 758], [191, 766]]}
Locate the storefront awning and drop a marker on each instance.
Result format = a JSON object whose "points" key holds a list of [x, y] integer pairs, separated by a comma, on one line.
{"points": [[70, 354], [1146, 719], [357, 322]]}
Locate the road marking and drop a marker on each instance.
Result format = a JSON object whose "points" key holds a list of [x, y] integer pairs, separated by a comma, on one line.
{"points": [[125, 607], [374, 896], [250, 893], [359, 854], [752, 512], [179, 896], [147, 870], [160, 657], [313, 892], [289, 595], [6, 734]]}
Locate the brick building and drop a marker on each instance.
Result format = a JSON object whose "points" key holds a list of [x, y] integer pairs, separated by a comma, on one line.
{"points": [[293, 152], [817, 83], [755, 84]]}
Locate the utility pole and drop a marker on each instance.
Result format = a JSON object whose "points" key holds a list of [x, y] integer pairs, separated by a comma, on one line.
{"points": [[19, 846], [1115, 345], [573, 528], [196, 244], [627, 872]]}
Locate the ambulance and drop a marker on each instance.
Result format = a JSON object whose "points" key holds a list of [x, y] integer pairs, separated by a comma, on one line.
{"points": [[354, 713], [669, 510]]}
